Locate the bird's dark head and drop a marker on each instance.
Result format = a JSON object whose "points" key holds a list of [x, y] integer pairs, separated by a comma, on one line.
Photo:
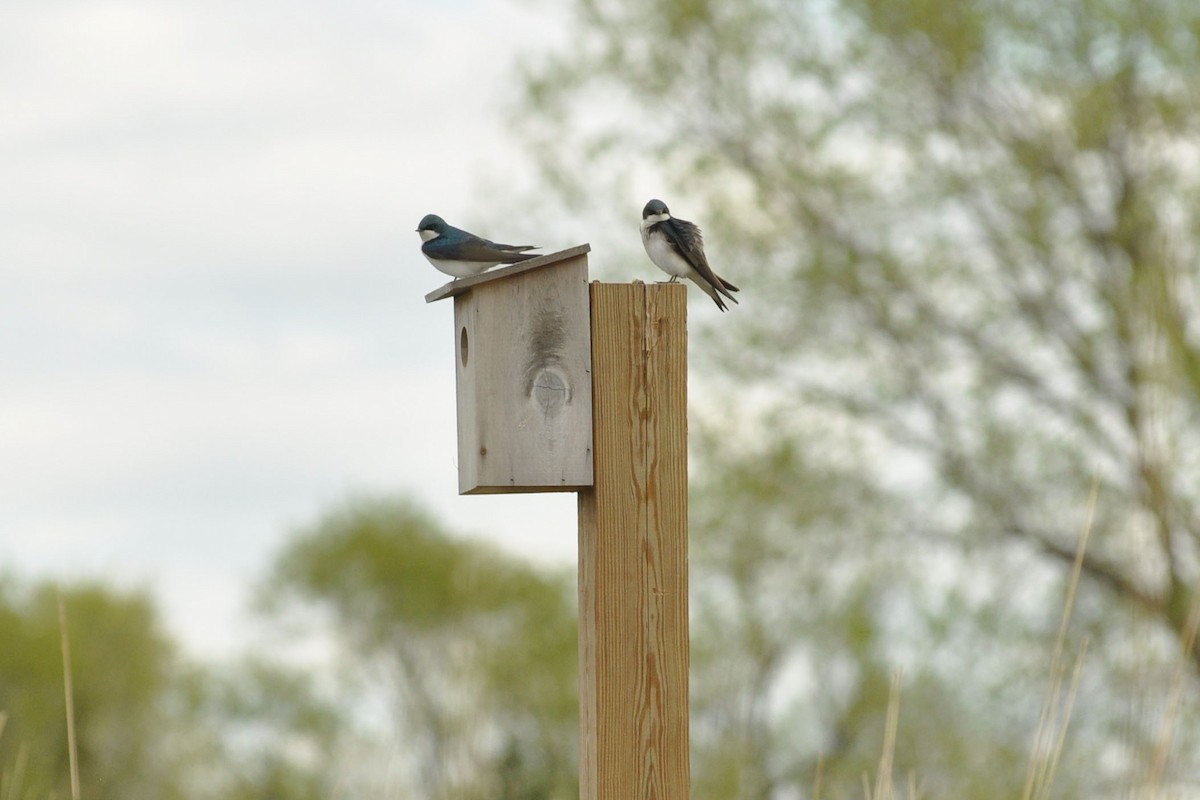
{"points": [[431, 225], [655, 208]]}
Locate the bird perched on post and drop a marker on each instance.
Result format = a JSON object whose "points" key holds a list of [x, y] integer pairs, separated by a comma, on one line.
{"points": [[677, 248], [461, 254]]}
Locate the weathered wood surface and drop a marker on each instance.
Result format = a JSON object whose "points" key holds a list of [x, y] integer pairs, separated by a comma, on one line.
{"points": [[633, 561], [524, 383]]}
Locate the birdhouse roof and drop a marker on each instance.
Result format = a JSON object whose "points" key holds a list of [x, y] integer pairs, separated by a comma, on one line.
{"points": [[457, 287]]}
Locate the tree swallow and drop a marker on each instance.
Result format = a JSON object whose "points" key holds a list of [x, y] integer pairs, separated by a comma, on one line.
{"points": [[677, 248], [461, 254]]}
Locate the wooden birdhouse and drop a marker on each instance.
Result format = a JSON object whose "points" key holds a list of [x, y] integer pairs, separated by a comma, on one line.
{"points": [[522, 344]]}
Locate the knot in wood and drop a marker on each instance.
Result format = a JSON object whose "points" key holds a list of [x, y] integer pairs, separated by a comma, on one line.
{"points": [[550, 390]]}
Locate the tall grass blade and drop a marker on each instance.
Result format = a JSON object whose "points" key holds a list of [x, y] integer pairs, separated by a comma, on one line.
{"points": [[1162, 748], [883, 780], [1043, 758], [68, 692]]}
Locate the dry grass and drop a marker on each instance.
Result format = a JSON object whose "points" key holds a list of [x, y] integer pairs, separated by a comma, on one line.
{"points": [[10, 784], [1057, 705], [1055, 716], [883, 779], [1162, 748], [68, 692]]}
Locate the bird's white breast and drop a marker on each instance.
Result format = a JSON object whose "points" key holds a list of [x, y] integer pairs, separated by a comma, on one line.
{"points": [[662, 254], [460, 269]]}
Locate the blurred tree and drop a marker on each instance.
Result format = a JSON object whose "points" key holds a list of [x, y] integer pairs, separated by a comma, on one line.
{"points": [[474, 652], [149, 726], [966, 237], [260, 729], [121, 664]]}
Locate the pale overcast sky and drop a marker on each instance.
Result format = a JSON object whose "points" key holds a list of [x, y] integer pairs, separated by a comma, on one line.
{"points": [[211, 317]]}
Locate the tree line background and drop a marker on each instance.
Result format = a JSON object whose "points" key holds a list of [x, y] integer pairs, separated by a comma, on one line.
{"points": [[970, 323]]}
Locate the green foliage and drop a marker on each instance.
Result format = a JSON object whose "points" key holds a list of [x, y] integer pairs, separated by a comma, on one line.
{"points": [[261, 730], [474, 650], [148, 724], [121, 663]]}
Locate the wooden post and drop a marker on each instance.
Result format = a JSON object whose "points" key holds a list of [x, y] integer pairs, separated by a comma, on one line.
{"points": [[633, 564]]}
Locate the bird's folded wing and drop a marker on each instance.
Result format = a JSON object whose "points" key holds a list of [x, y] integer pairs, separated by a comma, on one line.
{"points": [[686, 239], [475, 250]]}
